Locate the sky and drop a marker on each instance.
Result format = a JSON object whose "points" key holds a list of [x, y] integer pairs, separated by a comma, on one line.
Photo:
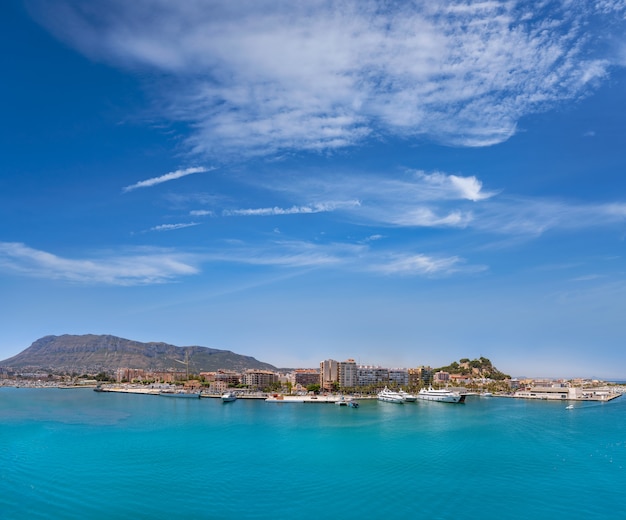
{"points": [[401, 183]]}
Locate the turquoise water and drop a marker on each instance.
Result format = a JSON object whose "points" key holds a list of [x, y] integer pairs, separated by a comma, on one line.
{"points": [[73, 454]]}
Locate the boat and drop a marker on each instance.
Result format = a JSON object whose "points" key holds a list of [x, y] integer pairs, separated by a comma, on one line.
{"points": [[229, 397], [389, 396], [180, 393], [443, 396], [569, 407], [486, 394], [350, 403], [408, 398]]}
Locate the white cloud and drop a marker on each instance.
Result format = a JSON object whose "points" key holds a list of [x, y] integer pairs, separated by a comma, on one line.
{"points": [[418, 199], [264, 77], [135, 268], [535, 216], [294, 210], [165, 178], [294, 254], [424, 265], [425, 217], [172, 227]]}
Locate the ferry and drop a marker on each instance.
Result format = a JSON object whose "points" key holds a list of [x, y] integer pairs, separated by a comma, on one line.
{"points": [[442, 396], [389, 396]]}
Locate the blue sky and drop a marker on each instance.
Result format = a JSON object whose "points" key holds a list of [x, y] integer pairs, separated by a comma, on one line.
{"points": [[399, 183]]}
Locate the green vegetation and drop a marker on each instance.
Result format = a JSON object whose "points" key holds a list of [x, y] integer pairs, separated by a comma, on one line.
{"points": [[480, 367]]}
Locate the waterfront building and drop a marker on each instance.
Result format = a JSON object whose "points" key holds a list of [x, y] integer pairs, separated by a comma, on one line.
{"points": [[305, 376], [129, 374], [420, 376], [329, 374], [557, 391], [460, 379], [347, 373], [258, 379], [369, 375], [218, 387], [441, 377], [228, 376], [399, 376]]}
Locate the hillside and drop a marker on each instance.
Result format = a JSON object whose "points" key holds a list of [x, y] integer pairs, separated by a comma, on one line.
{"points": [[103, 353], [480, 367]]}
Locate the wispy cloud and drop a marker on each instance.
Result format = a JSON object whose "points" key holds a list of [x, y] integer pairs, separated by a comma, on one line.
{"points": [[354, 256], [289, 253], [417, 199], [535, 216], [441, 200], [264, 77], [147, 266], [165, 178], [294, 210], [172, 227], [424, 265]]}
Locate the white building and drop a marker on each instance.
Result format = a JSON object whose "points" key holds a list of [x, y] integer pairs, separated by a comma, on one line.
{"points": [[368, 375]]}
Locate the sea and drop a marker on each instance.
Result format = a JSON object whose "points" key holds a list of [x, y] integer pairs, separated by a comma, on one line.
{"points": [[79, 454]]}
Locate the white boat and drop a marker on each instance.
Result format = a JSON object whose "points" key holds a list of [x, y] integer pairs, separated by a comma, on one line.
{"points": [[351, 403], [569, 407], [389, 396], [408, 398], [228, 397], [443, 395], [486, 394]]}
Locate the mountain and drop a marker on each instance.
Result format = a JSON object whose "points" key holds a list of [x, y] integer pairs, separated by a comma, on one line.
{"points": [[91, 353]]}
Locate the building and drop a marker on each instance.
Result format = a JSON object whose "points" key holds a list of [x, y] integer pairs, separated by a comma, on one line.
{"points": [[441, 377], [420, 376], [399, 376], [369, 375], [305, 377], [550, 392], [258, 379], [129, 375], [347, 373], [218, 387], [329, 374]]}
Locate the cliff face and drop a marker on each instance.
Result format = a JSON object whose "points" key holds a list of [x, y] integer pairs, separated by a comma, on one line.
{"points": [[96, 353]]}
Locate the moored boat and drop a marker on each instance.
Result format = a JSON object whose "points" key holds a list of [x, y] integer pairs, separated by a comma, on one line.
{"points": [[408, 398], [229, 397], [443, 395], [351, 403], [389, 396]]}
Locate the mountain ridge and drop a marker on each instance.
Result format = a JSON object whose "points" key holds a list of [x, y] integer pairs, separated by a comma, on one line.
{"points": [[94, 353]]}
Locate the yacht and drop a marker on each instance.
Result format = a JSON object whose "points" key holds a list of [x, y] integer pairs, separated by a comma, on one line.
{"points": [[389, 396], [228, 397], [444, 395], [409, 398]]}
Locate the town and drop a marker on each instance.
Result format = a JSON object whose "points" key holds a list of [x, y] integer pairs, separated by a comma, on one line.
{"points": [[331, 378]]}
